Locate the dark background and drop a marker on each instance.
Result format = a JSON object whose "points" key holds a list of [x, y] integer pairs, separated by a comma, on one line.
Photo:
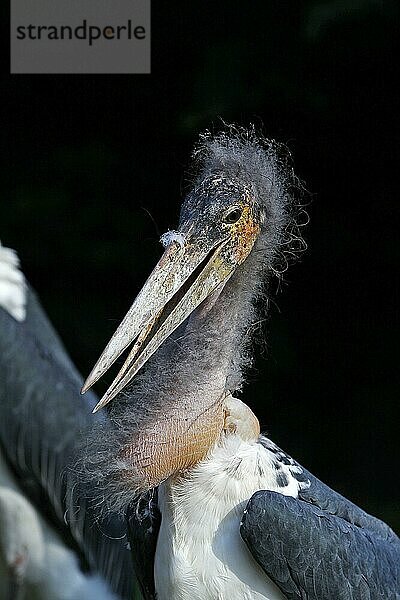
{"points": [[87, 159]]}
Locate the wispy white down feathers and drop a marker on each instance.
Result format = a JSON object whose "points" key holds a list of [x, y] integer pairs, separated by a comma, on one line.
{"points": [[172, 236]]}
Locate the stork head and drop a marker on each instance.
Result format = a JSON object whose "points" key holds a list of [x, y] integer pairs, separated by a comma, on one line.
{"points": [[239, 193], [239, 200]]}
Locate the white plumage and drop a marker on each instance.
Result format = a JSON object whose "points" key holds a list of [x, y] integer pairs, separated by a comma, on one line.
{"points": [[201, 514], [12, 284]]}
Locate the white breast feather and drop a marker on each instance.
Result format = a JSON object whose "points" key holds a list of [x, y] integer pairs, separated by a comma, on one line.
{"points": [[200, 554]]}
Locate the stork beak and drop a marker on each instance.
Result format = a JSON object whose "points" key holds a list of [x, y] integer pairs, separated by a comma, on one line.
{"points": [[185, 276]]}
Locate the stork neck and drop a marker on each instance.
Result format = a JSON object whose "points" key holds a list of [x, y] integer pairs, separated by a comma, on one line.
{"points": [[179, 398], [215, 341]]}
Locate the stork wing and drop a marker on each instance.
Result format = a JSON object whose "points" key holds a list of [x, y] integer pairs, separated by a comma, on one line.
{"points": [[41, 415], [321, 546]]}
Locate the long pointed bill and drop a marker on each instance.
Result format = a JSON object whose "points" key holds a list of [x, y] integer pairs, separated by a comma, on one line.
{"points": [[182, 279]]}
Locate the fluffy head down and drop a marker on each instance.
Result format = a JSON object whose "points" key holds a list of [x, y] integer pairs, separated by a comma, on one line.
{"points": [[207, 356], [238, 162]]}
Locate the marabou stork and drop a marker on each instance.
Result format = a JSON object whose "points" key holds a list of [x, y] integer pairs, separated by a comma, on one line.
{"points": [[213, 509]]}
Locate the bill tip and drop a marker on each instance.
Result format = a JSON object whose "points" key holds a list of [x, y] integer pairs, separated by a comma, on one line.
{"points": [[101, 403], [85, 387]]}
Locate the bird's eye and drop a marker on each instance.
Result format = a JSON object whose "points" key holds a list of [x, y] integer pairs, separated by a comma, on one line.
{"points": [[233, 215]]}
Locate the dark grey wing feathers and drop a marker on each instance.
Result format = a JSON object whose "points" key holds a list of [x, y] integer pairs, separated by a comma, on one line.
{"points": [[41, 416], [321, 546], [334, 503], [316, 492], [313, 555]]}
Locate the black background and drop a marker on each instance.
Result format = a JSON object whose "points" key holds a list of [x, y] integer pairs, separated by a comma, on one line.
{"points": [[92, 171]]}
